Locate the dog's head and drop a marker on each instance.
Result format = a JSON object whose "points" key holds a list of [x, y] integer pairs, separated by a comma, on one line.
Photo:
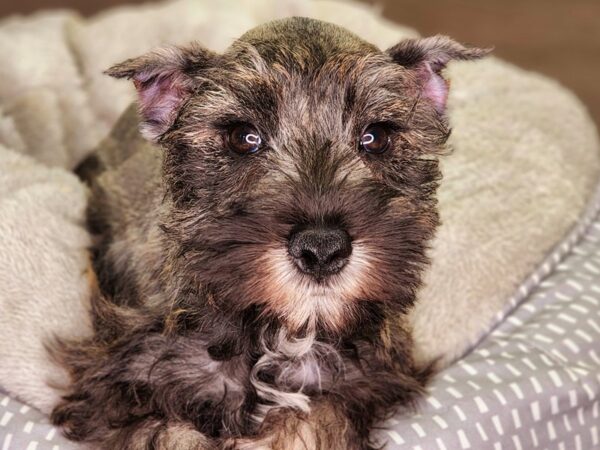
{"points": [[301, 167]]}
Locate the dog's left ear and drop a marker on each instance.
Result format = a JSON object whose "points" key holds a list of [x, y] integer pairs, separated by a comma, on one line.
{"points": [[428, 57], [164, 81]]}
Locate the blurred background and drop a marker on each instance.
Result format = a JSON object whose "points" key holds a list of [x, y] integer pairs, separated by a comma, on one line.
{"points": [[560, 38]]}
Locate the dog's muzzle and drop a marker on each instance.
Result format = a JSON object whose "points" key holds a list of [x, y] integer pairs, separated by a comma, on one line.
{"points": [[320, 252]]}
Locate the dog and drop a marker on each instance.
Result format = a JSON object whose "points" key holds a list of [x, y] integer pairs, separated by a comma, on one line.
{"points": [[259, 241]]}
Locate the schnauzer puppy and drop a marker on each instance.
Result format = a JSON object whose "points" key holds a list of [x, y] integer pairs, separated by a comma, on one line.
{"points": [[257, 252]]}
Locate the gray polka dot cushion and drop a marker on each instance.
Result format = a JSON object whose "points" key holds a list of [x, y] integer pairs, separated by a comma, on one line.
{"points": [[533, 382]]}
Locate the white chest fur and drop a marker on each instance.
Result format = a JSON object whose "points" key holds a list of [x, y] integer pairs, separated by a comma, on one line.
{"points": [[292, 370]]}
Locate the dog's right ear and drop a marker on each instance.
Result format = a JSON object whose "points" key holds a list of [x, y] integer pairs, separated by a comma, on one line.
{"points": [[164, 80]]}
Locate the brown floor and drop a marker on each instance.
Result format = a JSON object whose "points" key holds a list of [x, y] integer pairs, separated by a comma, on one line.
{"points": [[560, 38]]}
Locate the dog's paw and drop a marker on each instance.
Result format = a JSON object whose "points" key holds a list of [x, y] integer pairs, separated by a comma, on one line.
{"points": [[74, 419], [180, 436]]}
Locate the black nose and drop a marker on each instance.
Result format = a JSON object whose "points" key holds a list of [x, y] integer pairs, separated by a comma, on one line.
{"points": [[320, 251]]}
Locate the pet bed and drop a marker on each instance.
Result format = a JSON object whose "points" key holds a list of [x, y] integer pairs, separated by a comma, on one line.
{"points": [[524, 168], [533, 382]]}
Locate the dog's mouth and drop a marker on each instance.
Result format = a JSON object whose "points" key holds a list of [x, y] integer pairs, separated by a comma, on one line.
{"points": [[302, 295], [341, 272], [295, 288]]}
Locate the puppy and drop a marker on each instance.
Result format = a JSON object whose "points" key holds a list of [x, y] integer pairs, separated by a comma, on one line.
{"points": [[258, 249]]}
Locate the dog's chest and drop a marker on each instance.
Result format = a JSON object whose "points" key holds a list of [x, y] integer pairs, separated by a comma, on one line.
{"points": [[295, 370], [308, 375]]}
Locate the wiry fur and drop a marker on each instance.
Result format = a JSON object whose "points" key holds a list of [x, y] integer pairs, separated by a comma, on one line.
{"points": [[205, 334]]}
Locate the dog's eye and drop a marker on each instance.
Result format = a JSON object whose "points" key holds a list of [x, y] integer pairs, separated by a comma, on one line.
{"points": [[244, 139], [375, 139]]}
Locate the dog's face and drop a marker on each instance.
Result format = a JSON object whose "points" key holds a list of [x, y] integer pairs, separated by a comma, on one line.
{"points": [[301, 166]]}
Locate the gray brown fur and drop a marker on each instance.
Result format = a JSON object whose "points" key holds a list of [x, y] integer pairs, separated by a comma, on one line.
{"points": [[197, 345]]}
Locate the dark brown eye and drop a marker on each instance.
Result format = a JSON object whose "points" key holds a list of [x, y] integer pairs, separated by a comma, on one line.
{"points": [[244, 139], [375, 139]]}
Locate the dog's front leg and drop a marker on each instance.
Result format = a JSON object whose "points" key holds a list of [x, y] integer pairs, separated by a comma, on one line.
{"points": [[159, 434], [324, 428]]}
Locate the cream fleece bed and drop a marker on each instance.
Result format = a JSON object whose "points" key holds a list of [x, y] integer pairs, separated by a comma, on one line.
{"points": [[525, 164]]}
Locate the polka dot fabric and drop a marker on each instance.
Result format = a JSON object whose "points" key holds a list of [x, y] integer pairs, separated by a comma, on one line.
{"points": [[24, 428]]}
